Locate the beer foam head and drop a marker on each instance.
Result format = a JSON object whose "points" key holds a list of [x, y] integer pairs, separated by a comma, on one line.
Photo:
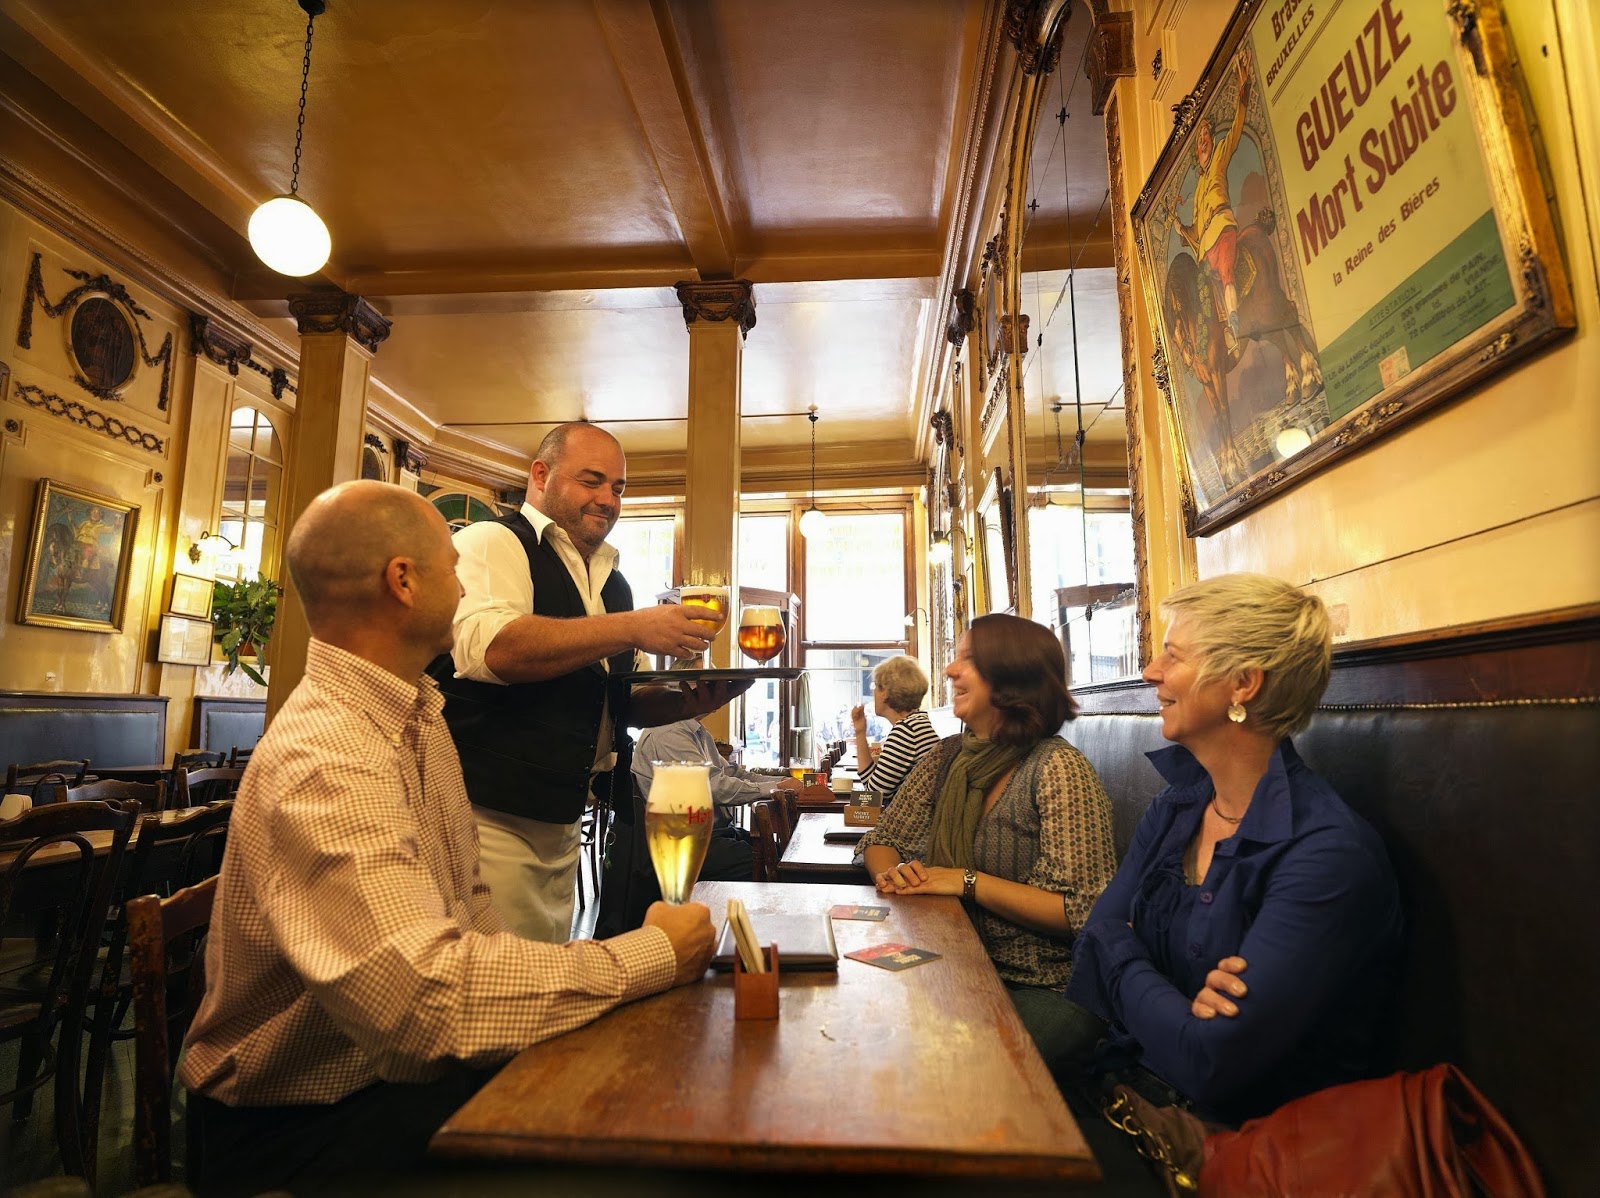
{"points": [[702, 592], [679, 786], [760, 617]]}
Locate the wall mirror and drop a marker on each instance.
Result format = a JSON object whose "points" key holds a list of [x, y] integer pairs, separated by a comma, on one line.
{"points": [[1076, 502]]}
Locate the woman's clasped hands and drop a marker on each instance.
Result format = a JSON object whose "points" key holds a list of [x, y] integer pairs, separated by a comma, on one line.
{"points": [[913, 877]]}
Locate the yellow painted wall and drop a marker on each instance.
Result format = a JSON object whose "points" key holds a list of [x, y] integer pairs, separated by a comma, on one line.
{"points": [[1490, 507]]}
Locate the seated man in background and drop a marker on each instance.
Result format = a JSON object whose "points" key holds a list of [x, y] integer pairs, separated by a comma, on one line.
{"points": [[359, 979], [728, 857]]}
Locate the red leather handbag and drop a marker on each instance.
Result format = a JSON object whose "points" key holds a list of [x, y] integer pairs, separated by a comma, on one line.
{"points": [[1410, 1135]]}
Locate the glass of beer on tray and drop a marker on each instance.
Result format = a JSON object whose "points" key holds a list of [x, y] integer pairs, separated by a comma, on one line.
{"points": [[713, 602], [761, 633], [677, 824]]}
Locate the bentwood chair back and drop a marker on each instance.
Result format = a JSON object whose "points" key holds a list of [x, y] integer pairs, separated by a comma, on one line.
{"points": [[239, 757], [150, 796], [197, 787], [166, 941], [67, 857], [198, 759], [31, 780], [764, 850], [167, 855]]}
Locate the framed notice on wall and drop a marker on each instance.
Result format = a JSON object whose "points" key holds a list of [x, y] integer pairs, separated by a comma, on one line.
{"points": [[1346, 228], [185, 641]]}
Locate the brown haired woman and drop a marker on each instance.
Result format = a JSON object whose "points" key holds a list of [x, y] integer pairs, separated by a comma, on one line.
{"points": [[1008, 816]]}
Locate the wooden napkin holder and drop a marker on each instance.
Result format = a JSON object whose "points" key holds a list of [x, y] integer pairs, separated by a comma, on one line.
{"points": [[755, 995], [821, 792]]}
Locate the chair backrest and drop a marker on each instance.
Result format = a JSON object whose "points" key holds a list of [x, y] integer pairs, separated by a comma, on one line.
{"points": [[788, 802], [181, 850], [239, 756], [167, 959], [197, 787], [68, 857], [764, 850], [74, 769], [150, 796], [198, 759]]}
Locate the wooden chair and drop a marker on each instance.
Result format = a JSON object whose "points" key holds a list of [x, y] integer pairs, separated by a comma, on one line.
{"points": [[57, 865], [167, 856], [198, 759], [151, 797], [197, 787], [32, 779], [166, 941], [764, 850], [788, 802], [238, 758]]}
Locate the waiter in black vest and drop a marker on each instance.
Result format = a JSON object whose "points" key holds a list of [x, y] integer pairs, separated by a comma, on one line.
{"points": [[546, 618]]}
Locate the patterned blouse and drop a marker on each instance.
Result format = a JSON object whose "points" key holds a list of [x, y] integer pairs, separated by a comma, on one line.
{"points": [[1050, 828]]}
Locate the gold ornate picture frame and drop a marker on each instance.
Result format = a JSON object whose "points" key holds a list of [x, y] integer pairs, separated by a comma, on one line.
{"points": [[1346, 228], [79, 555]]}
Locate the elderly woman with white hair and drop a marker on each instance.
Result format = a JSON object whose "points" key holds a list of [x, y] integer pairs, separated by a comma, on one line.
{"points": [[1246, 949], [898, 686]]}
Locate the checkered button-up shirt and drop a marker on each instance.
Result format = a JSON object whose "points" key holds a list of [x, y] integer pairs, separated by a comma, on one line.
{"points": [[352, 939]]}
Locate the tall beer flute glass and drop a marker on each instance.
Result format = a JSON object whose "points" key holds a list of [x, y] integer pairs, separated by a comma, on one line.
{"points": [[761, 633], [677, 825]]}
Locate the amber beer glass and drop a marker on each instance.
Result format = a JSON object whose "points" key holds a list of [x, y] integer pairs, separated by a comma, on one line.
{"points": [[713, 601], [761, 633], [677, 824]]}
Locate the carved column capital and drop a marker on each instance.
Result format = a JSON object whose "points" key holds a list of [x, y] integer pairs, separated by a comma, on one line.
{"points": [[1111, 56], [217, 344], [1024, 26], [717, 300], [963, 313], [338, 312]]}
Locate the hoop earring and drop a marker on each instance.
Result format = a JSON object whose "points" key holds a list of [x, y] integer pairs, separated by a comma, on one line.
{"points": [[1236, 712]]}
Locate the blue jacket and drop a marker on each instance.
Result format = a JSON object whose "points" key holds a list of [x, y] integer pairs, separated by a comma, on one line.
{"points": [[1303, 891]]}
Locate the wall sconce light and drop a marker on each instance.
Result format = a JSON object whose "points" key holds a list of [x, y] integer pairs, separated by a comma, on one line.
{"points": [[208, 540], [939, 551], [285, 232], [911, 616], [813, 523]]}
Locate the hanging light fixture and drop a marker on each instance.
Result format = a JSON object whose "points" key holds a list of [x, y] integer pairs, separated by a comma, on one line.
{"points": [[812, 522], [285, 232]]}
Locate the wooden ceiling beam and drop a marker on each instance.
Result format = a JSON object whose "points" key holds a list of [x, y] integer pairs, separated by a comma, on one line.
{"points": [[644, 46]]}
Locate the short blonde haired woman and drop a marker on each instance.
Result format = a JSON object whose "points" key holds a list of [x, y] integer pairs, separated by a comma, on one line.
{"points": [[898, 686], [1244, 954]]}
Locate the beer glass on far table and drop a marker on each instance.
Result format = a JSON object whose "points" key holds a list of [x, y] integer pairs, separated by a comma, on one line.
{"points": [[761, 633], [677, 824]]}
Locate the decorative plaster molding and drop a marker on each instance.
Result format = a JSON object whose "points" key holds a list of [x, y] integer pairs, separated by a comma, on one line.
{"points": [[719, 300], [94, 285], [1110, 56], [963, 315], [207, 337], [1024, 28], [340, 312], [1014, 333], [90, 418]]}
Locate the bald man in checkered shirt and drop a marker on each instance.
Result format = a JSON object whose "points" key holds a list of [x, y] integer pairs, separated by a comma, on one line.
{"points": [[360, 984]]}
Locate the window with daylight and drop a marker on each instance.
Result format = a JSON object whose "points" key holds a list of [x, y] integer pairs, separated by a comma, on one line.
{"points": [[856, 580], [644, 555], [252, 487], [764, 551]]}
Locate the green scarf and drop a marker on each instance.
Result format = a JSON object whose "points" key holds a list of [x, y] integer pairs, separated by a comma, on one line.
{"points": [[960, 803]]}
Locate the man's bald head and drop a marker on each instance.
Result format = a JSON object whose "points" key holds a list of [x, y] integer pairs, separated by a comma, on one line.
{"points": [[575, 433], [344, 541]]}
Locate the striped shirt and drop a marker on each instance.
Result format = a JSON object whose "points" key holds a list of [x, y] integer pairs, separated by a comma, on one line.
{"points": [[907, 743], [352, 939]]}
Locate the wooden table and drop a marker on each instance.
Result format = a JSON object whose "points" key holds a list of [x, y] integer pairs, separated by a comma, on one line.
{"points": [[922, 1072], [810, 858]]}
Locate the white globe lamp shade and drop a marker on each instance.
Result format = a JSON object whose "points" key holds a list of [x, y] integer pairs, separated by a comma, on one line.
{"points": [[289, 237], [939, 551], [813, 523], [1292, 441]]}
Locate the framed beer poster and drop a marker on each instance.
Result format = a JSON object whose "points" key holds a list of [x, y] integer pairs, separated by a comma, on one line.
{"points": [[1346, 227]]}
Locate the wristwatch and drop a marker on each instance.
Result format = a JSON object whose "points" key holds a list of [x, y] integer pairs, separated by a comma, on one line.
{"points": [[969, 885]]}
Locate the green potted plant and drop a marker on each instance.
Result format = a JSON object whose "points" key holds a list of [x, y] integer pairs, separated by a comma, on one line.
{"points": [[243, 613]]}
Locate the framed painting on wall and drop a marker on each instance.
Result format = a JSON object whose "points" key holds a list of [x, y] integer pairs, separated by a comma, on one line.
{"points": [[76, 573], [1346, 227], [998, 543]]}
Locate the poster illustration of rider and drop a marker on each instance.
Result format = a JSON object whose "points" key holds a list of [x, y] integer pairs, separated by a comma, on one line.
{"points": [[1241, 353]]}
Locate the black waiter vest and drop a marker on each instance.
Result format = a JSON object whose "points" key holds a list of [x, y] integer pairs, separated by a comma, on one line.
{"points": [[528, 749]]}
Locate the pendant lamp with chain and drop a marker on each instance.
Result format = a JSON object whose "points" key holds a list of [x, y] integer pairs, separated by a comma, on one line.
{"points": [[813, 523], [285, 232]]}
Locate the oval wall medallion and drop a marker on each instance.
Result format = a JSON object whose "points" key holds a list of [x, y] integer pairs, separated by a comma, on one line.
{"points": [[102, 339]]}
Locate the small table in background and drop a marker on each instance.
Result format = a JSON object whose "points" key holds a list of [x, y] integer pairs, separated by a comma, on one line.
{"points": [[811, 858]]}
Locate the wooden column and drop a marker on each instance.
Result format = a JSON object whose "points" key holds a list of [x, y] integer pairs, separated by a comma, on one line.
{"points": [[719, 315], [339, 333]]}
